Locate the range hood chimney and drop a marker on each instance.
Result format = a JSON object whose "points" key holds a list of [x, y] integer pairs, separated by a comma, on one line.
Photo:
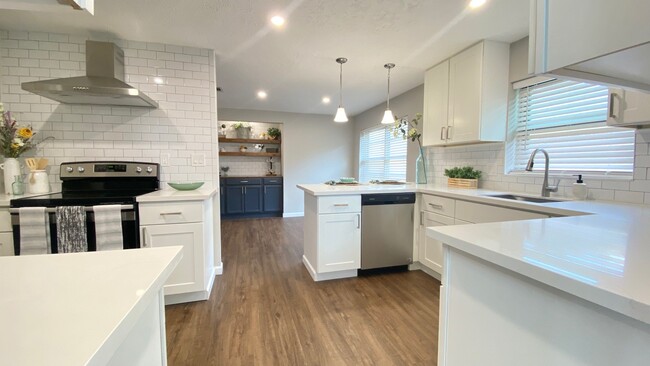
{"points": [[103, 84]]}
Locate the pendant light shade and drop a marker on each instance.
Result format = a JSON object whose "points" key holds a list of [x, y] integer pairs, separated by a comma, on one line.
{"points": [[340, 112], [388, 114]]}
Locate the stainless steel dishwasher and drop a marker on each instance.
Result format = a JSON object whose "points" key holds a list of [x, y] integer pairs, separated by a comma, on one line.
{"points": [[386, 230]]}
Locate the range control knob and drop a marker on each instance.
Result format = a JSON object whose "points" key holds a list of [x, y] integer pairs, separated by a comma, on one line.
{"points": [[149, 169], [138, 170], [81, 169], [69, 169]]}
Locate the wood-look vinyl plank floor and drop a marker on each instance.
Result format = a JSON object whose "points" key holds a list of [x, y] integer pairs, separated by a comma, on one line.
{"points": [[266, 310]]}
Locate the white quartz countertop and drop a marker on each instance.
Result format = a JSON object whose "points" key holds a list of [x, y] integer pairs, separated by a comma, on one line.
{"points": [[76, 309], [170, 194], [323, 189]]}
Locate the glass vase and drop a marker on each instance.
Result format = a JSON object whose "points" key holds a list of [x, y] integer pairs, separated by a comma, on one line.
{"points": [[11, 167], [421, 169]]}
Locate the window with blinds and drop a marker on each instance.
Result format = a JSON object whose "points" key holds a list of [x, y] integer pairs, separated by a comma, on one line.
{"points": [[382, 156], [567, 119]]}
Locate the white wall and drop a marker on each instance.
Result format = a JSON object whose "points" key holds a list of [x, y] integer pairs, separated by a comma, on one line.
{"points": [[314, 149], [408, 103]]}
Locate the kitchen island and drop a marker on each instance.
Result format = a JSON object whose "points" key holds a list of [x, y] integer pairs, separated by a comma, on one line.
{"points": [[93, 308], [559, 291]]}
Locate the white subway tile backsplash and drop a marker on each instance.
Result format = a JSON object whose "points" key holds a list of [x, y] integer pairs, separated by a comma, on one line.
{"points": [[85, 132], [489, 158]]}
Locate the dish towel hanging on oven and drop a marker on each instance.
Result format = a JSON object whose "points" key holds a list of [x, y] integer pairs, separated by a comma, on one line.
{"points": [[108, 227], [71, 229], [34, 226]]}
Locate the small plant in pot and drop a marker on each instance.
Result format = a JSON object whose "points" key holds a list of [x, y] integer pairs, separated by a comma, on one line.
{"points": [[463, 177], [274, 133], [242, 129]]}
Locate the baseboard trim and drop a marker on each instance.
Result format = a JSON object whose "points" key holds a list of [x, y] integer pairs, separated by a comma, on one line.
{"points": [[218, 269], [293, 214], [425, 269], [329, 275]]}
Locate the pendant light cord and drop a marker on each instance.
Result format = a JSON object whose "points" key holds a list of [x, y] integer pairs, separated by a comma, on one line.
{"points": [[341, 85], [388, 91]]}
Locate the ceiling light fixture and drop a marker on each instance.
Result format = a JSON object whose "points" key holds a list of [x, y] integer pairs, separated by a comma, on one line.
{"points": [[261, 94], [476, 3], [388, 114], [340, 112], [326, 100], [277, 20]]}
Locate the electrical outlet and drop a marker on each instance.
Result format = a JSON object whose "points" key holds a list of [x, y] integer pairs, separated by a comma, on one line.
{"points": [[198, 159], [164, 159]]}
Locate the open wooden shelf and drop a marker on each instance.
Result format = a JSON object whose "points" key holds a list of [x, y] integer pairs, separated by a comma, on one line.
{"points": [[249, 141], [237, 153]]}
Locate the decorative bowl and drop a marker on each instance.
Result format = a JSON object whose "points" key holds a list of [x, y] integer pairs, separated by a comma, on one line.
{"points": [[347, 180], [185, 186]]}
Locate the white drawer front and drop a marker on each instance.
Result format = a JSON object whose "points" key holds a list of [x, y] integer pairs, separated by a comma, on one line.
{"points": [[5, 220], [436, 204], [339, 204], [170, 213]]}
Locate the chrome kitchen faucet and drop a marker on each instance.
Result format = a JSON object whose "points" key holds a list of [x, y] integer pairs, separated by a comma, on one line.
{"points": [[546, 189]]}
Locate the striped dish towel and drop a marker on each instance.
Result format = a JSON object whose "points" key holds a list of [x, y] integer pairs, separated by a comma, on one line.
{"points": [[71, 229], [34, 226], [108, 227]]}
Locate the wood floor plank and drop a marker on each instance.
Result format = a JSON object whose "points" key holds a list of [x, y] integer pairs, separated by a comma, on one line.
{"points": [[266, 310]]}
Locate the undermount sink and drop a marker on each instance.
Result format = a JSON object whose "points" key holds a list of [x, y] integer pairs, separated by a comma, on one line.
{"points": [[523, 198]]}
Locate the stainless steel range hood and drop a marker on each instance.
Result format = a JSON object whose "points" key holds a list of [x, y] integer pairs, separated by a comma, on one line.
{"points": [[103, 84]]}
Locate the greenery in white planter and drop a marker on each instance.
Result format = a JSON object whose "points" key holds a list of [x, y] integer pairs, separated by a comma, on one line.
{"points": [[466, 172], [243, 130]]}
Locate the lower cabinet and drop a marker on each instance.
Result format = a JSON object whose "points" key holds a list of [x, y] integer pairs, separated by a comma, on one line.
{"points": [[188, 224], [251, 197], [340, 235], [431, 249], [188, 276], [6, 234]]}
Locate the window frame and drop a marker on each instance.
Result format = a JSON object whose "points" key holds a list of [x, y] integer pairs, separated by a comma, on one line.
{"points": [[389, 140]]}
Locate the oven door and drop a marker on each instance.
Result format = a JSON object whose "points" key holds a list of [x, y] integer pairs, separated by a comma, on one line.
{"points": [[130, 230]]}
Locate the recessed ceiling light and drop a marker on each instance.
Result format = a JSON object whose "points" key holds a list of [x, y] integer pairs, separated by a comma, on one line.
{"points": [[476, 3], [261, 94], [277, 20], [326, 100]]}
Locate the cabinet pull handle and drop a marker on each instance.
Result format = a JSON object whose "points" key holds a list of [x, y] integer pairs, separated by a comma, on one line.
{"points": [[265, 190], [341, 205], [242, 190], [245, 190], [611, 105], [442, 133], [243, 181], [449, 133], [439, 207], [144, 237], [421, 218], [358, 221], [171, 213]]}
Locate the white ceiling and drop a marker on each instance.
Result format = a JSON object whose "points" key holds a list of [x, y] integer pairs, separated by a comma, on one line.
{"points": [[295, 65]]}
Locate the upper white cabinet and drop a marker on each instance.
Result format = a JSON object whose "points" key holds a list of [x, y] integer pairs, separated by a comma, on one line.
{"points": [[628, 108], [466, 97], [58, 6], [597, 40]]}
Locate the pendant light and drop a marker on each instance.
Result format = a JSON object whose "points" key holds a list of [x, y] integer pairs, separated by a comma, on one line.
{"points": [[388, 114], [340, 112]]}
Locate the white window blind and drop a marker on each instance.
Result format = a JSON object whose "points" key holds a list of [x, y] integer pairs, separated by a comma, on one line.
{"points": [[381, 156], [567, 119]]}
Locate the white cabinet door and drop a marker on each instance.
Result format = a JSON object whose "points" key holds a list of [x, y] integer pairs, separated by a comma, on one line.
{"points": [[188, 276], [436, 105], [6, 244], [431, 249], [339, 242], [628, 108], [465, 70]]}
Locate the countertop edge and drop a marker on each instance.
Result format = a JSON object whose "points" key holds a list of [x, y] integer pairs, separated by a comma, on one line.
{"points": [[169, 195]]}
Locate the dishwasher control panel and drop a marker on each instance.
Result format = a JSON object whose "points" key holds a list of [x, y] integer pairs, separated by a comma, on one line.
{"points": [[387, 199]]}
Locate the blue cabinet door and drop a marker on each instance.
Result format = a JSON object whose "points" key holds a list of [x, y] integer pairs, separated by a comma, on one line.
{"points": [[252, 199], [273, 198], [234, 199]]}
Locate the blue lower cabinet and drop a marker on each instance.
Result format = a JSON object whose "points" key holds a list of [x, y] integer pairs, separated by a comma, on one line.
{"points": [[251, 197]]}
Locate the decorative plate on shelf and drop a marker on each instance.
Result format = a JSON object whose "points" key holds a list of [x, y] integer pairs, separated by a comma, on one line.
{"points": [[185, 186]]}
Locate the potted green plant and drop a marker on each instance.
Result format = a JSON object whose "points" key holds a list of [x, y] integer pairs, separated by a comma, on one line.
{"points": [[274, 133], [243, 130], [463, 177]]}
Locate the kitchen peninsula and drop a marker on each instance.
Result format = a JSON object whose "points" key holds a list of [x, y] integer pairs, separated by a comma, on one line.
{"points": [[102, 308]]}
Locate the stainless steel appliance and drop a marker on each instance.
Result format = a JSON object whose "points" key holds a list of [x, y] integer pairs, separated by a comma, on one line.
{"points": [[95, 183], [386, 230]]}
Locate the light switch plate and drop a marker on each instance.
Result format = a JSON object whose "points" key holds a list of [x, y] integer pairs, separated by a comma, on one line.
{"points": [[164, 159], [198, 159]]}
